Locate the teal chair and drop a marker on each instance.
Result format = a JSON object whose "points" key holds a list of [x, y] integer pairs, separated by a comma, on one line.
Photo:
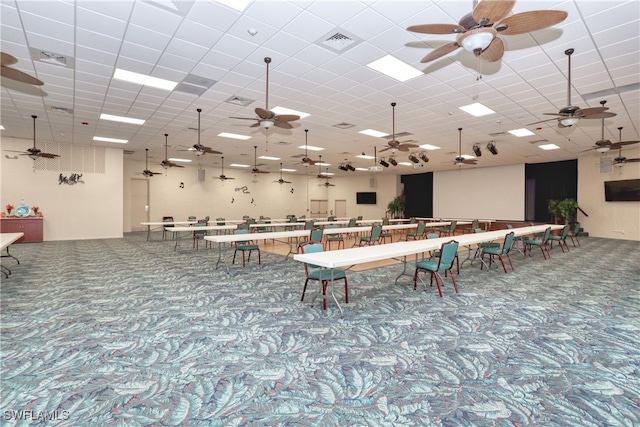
{"points": [[198, 235], [541, 242], [418, 234], [245, 246], [517, 241], [330, 238], [500, 252], [483, 245], [574, 234], [443, 263], [315, 236], [471, 228], [448, 230], [561, 238], [192, 218], [372, 238], [331, 218], [320, 274], [164, 228], [384, 235]]}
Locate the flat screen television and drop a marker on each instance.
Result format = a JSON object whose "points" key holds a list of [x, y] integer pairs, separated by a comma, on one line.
{"points": [[626, 190], [369, 198]]}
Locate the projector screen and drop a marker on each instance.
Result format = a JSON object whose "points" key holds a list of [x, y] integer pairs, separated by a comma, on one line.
{"points": [[482, 193]]}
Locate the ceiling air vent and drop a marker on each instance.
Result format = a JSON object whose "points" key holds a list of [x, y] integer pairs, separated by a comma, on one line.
{"points": [[613, 91], [128, 151], [283, 143], [338, 40], [61, 109], [343, 125], [238, 100], [51, 58], [497, 134], [399, 135], [538, 141], [194, 85]]}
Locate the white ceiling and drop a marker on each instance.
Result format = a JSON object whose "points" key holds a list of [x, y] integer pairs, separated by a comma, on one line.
{"points": [[211, 40]]}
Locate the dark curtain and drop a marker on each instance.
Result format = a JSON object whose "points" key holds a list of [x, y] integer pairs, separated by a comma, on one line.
{"points": [[418, 193], [554, 180]]}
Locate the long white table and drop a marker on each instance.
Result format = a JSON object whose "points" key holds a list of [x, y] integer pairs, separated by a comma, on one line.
{"points": [[361, 255], [163, 224], [7, 239]]}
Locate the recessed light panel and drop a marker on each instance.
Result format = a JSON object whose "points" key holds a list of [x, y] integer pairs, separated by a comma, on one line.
{"points": [[105, 139], [233, 136], [548, 147], [310, 148], [477, 110], [372, 132], [174, 159], [130, 76], [121, 119], [521, 132], [269, 158], [238, 165], [280, 111], [394, 68], [429, 147], [239, 5]]}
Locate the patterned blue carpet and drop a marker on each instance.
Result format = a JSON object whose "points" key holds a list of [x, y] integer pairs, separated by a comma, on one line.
{"points": [[128, 332]]}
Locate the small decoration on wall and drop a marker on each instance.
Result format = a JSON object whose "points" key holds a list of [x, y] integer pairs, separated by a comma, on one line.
{"points": [[244, 189], [70, 180], [233, 199], [252, 202], [182, 185], [291, 190]]}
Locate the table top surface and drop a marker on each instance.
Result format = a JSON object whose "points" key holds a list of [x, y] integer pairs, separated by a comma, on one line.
{"points": [[8, 238], [360, 255]]}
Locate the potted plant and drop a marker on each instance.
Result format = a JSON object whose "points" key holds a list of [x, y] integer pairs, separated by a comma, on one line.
{"points": [[568, 209], [396, 207], [553, 209]]}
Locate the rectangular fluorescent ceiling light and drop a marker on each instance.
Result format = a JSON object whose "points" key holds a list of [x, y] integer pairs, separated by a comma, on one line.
{"points": [[429, 147], [233, 136], [477, 110], [548, 146], [521, 132], [1, 127], [327, 173], [282, 111], [239, 5], [372, 132], [365, 156], [362, 169], [394, 68], [310, 147], [405, 163], [116, 140], [468, 157], [121, 119], [269, 158], [287, 170], [323, 164], [238, 165], [130, 76], [174, 159]]}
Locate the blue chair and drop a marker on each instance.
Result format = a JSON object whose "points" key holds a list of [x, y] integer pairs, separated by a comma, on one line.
{"points": [[574, 234], [444, 262], [199, 235], [499, 252], [418, 234], [561, 238], [541, 242], [321, 274], [164, 228], [450, 230], [245, 246], [384, 235], [372, 238], [329, 238]]}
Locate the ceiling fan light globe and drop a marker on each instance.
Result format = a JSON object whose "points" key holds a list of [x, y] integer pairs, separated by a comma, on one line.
{"points": [[569, 121], [34, 156], [602, 149], [476, 41], [619, 164], [266, 123]]}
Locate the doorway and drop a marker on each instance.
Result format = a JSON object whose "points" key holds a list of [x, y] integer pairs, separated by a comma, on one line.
{"points": [[340, 208], [319, 208], [139, 204]]}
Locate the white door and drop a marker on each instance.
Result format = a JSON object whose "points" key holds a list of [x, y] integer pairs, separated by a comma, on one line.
{"points": [[139, 203], [340, 209], [319, 208]]}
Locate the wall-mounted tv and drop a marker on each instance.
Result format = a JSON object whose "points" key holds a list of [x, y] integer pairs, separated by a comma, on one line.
{"points": [[626, 190], [366, 198]]}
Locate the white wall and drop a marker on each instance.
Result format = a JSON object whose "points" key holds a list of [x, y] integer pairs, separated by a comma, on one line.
{"points": [[615, 220], [215, 198], [91, 210]]}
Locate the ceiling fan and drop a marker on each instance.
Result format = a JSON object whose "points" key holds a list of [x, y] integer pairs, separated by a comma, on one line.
{"points": [[222, 176], [267, 118], [255, 169], [198, 148], [570, 115], [393, 144], [13, 74], [320, 174], [478, 31], [34, 152], [306, 160], [146, 172], [603, 145], [459, 161], [621, 160], [166, 163], [326, 177], [282, 181]]}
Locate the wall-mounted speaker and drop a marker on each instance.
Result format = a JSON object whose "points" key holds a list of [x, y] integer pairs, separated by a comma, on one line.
{"points": [[200, 175], [372, 182]]}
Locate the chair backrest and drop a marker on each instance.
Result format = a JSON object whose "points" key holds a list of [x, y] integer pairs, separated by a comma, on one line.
{"points": [[310, 248], [245, 217], [448, 253], [376, 230], [508, 242], [474, 224], [432, 236], [251, 220], [331, 218], [202, 221], [167, 219], [509, 226], [576, 229], [420, 228], [316, 235], [547, 234], [359, 217], [199, 234], [220, 221], [293, 219], [565, 232], [243, 226], [192, 218], [385, 221], [352, 222], [241, 231], [308, 225], [453, 225], [413, 220]]}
